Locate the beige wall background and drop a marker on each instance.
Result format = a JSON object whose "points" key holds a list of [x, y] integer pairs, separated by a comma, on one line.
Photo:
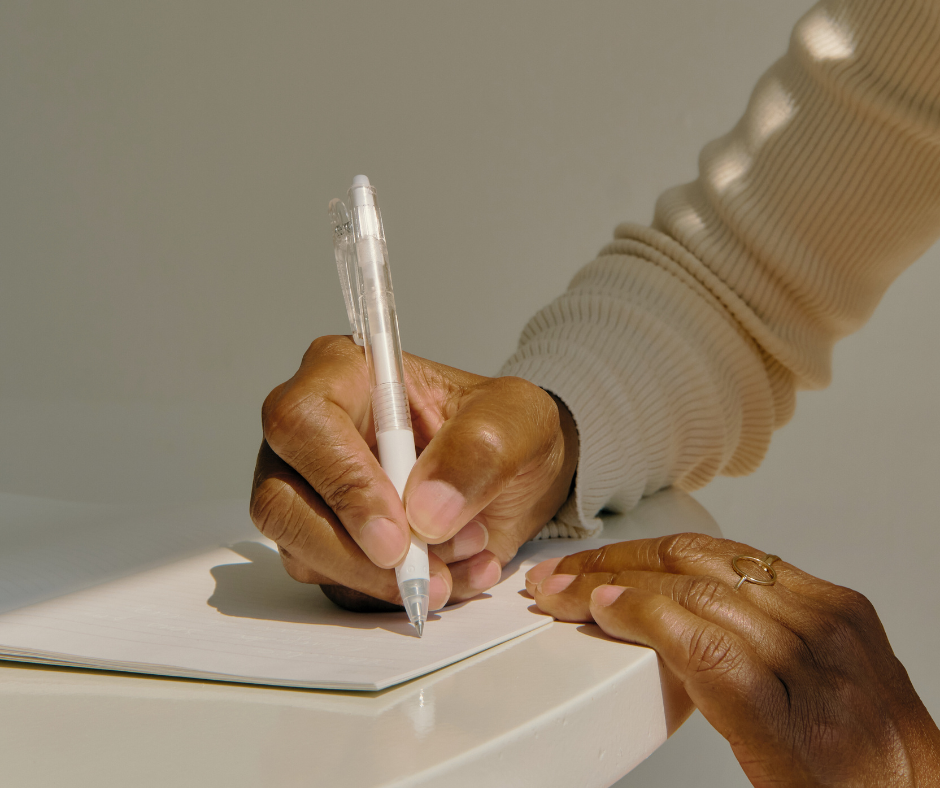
{"points": [[164, 175]]}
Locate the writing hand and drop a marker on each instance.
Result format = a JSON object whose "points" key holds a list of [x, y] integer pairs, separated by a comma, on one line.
{"points": [[798, 676], [496, 460]]}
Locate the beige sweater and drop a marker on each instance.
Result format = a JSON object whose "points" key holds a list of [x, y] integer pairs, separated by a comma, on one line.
{"points": [[680, 348]]}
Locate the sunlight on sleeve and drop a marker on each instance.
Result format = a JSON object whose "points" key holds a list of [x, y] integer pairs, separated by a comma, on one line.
{"points": [[772, 109], [729, 167], [688, 222], [824, 37]]}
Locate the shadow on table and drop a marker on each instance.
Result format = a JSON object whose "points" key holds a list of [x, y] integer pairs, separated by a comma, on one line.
{"points": [[262, 589]]}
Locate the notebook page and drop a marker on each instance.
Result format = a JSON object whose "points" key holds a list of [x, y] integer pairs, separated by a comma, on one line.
{"points": [[234, 614]]}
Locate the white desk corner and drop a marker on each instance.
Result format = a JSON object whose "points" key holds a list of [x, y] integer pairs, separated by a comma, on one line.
{"points": [[559, 707]]}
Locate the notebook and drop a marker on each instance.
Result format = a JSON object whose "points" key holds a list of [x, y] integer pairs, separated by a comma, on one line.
{"points": [[160, 599]]}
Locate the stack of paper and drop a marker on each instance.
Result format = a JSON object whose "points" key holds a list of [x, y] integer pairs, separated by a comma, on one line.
{"points": [[233, 614]]}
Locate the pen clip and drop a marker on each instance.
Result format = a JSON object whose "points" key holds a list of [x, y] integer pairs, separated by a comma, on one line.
{"points": [[344, 249]]}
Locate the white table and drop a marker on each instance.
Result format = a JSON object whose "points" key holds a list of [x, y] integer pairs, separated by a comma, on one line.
{"points": [[560, 707]]}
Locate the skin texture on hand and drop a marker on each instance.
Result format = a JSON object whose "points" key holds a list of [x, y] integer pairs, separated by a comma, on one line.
{"points": [[496, 459], [799, 676]]}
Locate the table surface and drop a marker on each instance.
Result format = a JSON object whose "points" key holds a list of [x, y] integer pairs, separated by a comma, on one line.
{"points": [[547, 709]]}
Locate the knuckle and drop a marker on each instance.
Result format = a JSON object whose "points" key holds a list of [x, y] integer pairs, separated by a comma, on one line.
{"points": [[712, 652], [679, 549], [702, 594], [285, 416], [540, 406], [828, 638], [520, 388], [853, 604], [535, 407], [342, 485], [274, 511], [595, 561], [328, 345], [264, 507], [849, 621], [270, 405]]}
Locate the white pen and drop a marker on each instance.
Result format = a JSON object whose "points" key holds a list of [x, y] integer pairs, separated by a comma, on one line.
{"points": [[362, 262]]}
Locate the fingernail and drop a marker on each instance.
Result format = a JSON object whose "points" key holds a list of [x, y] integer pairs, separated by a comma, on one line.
{"points": [[602, 596], [470, 540], [383, 541], [484, 576], [540, 571], [555, 584], [433, 508], [438, 592]]}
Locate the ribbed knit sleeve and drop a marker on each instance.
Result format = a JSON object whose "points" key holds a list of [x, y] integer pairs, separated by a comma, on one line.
{"points": [[680, 348]]}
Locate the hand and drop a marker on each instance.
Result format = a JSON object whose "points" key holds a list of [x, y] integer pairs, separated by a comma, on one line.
{"points": [[496, 460], [799, 676]]}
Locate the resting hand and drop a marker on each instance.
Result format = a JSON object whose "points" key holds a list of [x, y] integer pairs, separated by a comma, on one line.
{"points": [[799, 676], [496, 460]]}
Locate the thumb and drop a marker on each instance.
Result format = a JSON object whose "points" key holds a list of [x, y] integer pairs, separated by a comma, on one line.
{"points": [[497, 430]]}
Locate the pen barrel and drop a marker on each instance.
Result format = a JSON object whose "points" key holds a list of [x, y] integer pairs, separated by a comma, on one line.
{"points": [[390, 409], [397, 456]]}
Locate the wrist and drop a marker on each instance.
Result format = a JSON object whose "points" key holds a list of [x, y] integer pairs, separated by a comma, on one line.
{"points": [[567, 475]]}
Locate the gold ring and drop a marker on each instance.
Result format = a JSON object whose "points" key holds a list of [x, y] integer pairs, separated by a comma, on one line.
{"points": [[769, 576]]}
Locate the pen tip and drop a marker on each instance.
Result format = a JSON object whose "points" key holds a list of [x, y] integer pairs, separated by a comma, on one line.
{"points": [[419, 625]]}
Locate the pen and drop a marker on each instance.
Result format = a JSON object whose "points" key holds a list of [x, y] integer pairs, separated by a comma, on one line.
{"points": [[362, 262]]}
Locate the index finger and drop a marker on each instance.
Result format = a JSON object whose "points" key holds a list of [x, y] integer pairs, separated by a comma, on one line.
{"points": [[682, 554], [676, 554], [319, 423]]}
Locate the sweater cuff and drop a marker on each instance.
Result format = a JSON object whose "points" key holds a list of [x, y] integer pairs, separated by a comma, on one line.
{"points": [[591, 394], [664, 386]]}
